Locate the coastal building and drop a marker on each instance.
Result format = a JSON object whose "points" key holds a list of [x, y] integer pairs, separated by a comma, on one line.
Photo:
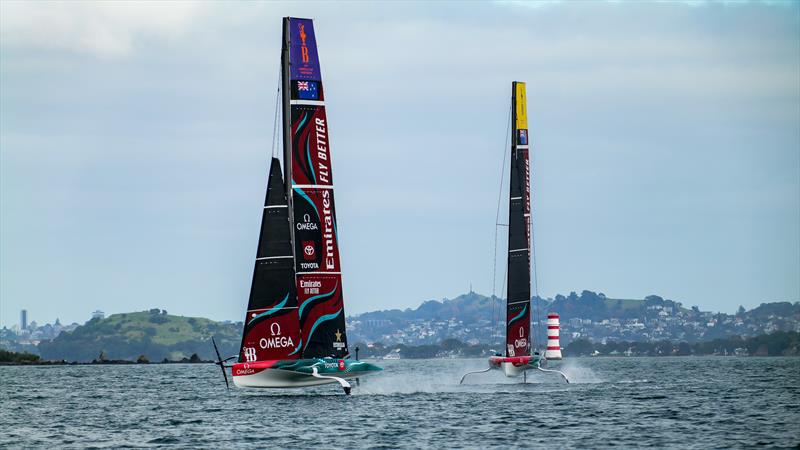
{"points": [[23, 319], [98, 315]]}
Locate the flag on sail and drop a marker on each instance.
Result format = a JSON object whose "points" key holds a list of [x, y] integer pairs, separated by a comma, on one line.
{"points": [[307, 90]]}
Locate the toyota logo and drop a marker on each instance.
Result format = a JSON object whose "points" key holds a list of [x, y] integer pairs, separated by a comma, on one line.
{"points": [[309, 250]]}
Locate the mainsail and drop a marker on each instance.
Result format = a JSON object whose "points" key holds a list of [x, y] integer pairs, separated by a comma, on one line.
{"points": [[312, 212], [271, 330], [518, 358], [296, 307], [518, 309]]}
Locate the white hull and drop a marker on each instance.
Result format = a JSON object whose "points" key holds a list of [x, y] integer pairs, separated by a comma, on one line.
{"points": [[277, 378], [510, 370]]}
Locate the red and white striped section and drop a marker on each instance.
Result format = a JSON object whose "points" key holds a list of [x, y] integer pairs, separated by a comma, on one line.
{"points": [[553, 346]]}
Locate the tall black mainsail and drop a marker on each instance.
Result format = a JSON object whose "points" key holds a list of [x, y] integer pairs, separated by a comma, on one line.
{"points": [[271, 330], [518, 308], [518, 358], [294, 329]]}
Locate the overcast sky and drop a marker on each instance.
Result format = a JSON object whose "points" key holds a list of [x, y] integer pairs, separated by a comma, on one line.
{"points": [[135, 137]]}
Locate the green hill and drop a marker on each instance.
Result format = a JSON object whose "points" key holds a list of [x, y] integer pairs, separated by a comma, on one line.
{"points": [[154, 334]]}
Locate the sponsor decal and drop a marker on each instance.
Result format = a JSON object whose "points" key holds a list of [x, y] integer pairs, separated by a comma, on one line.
{"points": [[309, 252], [307, 90], [311, 153], [310, 287], [307, 224], [527, 184], [303, 50], [303, 47], [521, 342], [271, 338], [249, 354], [510, 350], [341, 364], [319, 204], [522, 107], [245, 370], [527, 204], [338, 344], [328, 230], [276, 340], [323, 169]]}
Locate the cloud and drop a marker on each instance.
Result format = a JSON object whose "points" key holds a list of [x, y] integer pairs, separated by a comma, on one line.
{"points": [[664, 134], [102, 29]]}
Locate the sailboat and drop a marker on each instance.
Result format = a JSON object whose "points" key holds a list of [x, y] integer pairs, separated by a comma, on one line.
{"points": [[294, 330], [519, 357]]}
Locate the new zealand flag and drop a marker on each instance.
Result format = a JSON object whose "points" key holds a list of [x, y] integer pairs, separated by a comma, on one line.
{"points": [[307, 90], [523, 137]]}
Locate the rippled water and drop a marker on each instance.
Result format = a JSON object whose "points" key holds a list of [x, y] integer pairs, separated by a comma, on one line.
{"points": [[629, 402]]}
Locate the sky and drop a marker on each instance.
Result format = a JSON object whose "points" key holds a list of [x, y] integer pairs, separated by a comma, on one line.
{"points": [[135, 140]]}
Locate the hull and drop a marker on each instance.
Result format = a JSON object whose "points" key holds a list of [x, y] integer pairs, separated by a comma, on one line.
{"points": [[298, 373], [514, 366]]}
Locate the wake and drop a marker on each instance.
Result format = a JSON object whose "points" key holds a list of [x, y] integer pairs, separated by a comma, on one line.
{"points": [[443, 376]]}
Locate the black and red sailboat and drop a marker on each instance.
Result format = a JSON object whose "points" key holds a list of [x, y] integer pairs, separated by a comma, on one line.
{"points": [[519, 355], [294, 330]]}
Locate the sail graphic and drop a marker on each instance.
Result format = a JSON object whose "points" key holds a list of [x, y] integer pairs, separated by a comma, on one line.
{"points": [[518, 308], [271, 330], [312, 208]]}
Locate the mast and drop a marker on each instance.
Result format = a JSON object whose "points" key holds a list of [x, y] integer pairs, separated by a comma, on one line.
{"points": [[311, 202], [518, 298], [286, 122]]}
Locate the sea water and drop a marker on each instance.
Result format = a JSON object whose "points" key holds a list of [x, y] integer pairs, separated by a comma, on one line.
{"points": [[681, 402]]}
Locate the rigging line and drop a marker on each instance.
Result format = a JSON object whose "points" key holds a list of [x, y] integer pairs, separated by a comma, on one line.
{"points": [[505, 278], [533, 255], [275, 121], [496, 319]]}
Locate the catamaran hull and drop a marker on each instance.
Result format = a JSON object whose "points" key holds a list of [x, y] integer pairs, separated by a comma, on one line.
{"points": [[298, 373], [277, 378], [510, 370], [514, 366]]}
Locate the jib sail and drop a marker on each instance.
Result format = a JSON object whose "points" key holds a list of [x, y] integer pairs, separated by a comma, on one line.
{"points": [[518, 309], [271, 330], [310, 181]]}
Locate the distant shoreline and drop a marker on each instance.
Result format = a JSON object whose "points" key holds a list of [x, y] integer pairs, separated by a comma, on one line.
{"points": [[133, 363], [106, 363]]}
